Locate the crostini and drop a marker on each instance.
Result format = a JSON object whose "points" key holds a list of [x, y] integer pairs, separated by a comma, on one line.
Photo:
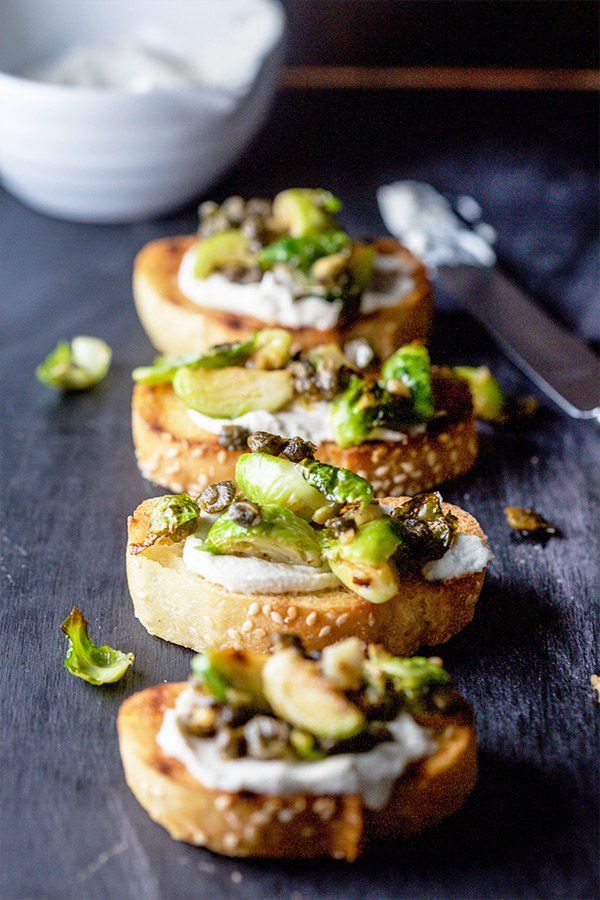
{"points": [[284, 262], [290, 756], [407, 428], [303, 545]]}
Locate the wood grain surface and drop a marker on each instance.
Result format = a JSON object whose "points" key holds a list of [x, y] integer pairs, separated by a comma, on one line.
{"points": [[70, 827]]}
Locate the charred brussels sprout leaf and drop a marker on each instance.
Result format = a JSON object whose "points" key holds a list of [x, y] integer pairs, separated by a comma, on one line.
{"points": [[337, 484], [302, 252], [427, 531], [409, 367], [75, 365], [417, 677], [279, 536], [96, 665], [163, 370], [173, 517]]}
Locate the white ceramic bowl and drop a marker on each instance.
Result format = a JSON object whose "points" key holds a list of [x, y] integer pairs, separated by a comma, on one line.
{"points": [[109, 155]]}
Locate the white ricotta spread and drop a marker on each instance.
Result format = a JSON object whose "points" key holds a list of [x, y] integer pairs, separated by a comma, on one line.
{"points": [[467, 555], [250, 575], [424, 221], [272, 299], [371, 775], [307, 421], [311, 422]]}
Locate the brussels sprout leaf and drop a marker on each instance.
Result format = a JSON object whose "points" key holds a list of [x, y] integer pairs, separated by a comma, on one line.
{"points": [[302, 252], [337, 484], [220, 356], [96, 665]]}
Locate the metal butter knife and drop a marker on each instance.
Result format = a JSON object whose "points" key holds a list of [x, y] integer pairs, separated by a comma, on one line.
{"points": [[448, 234], [558, 362]]}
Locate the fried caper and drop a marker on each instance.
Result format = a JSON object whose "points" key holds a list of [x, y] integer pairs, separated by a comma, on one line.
{"points": [[265, 442], [245, 513], [217, 497], [233, 437]]}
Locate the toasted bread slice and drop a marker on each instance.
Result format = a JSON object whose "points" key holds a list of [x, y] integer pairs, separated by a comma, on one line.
{"points": [[181, 606], [178, 326], [302, 825], [174, 453]]}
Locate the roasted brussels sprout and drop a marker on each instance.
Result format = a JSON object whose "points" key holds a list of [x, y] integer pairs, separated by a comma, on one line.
{"points": [[354, 412], [300, 211], [488, 398], [529, 523], [279, 536], [173, 518], [75, 365], [271, 349], [231, 392], [417, 677], [224, 249], [301, 695], [270, 479], [409, 367]]}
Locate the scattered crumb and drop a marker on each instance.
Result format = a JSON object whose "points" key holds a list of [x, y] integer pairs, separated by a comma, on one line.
{"points": [[236, 877], [206, 867], [595, 682], [534, 460], [529, 524]]}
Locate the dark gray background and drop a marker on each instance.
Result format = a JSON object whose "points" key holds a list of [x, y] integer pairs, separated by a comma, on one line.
{"points": [[70, 827]]}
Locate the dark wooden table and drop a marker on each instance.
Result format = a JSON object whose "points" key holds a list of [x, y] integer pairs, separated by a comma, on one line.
{"points": [[70, 827]]}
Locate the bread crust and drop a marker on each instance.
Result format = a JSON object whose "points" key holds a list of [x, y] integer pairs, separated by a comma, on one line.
{"points": [[302, 825], [180, 606], [174, 453], [178, 326]]}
